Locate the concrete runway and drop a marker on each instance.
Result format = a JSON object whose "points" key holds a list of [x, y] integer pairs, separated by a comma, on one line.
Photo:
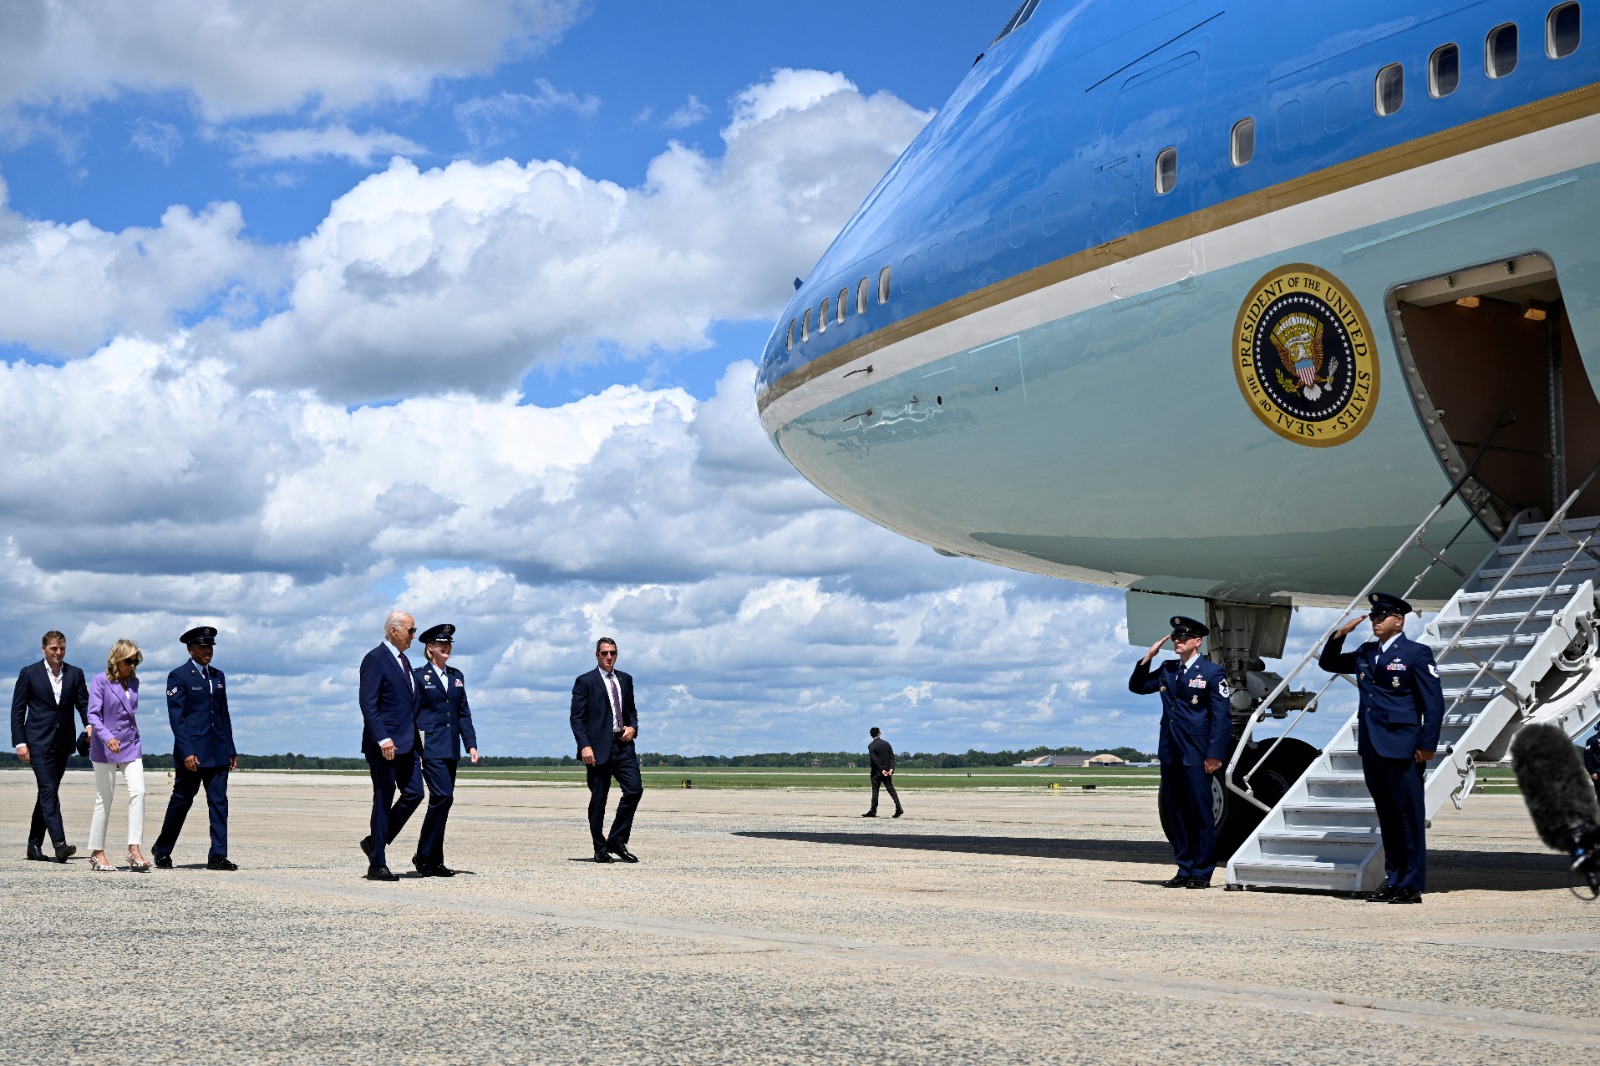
{"points": [[767, 926]]}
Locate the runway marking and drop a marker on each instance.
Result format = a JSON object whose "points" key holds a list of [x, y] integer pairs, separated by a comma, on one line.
{"points": [[1416, 1014]]}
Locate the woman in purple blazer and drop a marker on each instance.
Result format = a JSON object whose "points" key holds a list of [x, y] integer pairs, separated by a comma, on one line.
{"points": [[114, 747]]}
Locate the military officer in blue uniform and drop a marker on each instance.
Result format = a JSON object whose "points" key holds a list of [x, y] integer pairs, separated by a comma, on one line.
{"points": [[1400, 714], [1196, 719], [1591, 759], [202, 748], [444, 722]]}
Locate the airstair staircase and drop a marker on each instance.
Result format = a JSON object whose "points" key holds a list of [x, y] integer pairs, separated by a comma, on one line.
{"points": [[1516, 645]]}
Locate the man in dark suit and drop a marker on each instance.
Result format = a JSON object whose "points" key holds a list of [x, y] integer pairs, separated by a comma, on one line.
{"points": [[604, 723], [882, 756], [1400, 713], [444, 721], [202, 748], [1591, 759], [43, 734], [388, 698], [1196, 719]]}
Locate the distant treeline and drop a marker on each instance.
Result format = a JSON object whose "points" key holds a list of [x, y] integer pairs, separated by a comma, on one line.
{"points": [[824, 759]]}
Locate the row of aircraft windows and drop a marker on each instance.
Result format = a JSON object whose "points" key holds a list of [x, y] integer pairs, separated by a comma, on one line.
{"points": [[836, 309], [1563, 30]]}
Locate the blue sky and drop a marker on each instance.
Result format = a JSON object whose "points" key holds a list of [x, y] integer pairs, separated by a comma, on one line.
{"points": [[317, 308]]}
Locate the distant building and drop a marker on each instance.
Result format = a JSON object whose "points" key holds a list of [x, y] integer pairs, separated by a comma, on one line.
{"points": [[1076, 761]]}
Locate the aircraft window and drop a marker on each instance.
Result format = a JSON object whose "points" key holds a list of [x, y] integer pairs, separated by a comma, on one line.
{"points": [[863, 289], [1166, 170], [883, 285], [788, 344], [1444, 70], [824, 313], [805, 326], [1389, 89], [844, 298], [1500, 50], [1243, 147], [1562, 31]]}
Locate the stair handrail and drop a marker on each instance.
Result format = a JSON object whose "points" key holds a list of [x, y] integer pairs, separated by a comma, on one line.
{"points": [[1507, 417]]}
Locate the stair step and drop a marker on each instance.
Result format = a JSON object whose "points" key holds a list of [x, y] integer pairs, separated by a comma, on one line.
{"points": [[1575, 523], [1303, 873], [1563, 591]]}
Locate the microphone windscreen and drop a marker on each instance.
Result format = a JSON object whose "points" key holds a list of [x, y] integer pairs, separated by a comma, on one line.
{"points": [[1559, 794]]}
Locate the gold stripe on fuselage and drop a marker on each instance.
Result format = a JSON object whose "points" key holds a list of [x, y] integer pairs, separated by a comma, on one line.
{"points": [[1482, 133]]}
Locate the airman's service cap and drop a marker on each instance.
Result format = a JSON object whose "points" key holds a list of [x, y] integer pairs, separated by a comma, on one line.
{"points": [[1184, 628], [1383, 603], [205, 636], [444, 633]]}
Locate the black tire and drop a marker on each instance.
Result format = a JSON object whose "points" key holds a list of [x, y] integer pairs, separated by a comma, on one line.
{"points": [[1236, 816]]}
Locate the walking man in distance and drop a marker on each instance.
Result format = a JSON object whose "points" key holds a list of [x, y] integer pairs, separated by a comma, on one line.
{"points": [[604, 723], [202, 748], [882, 756], [47, 693], [388, 699]]}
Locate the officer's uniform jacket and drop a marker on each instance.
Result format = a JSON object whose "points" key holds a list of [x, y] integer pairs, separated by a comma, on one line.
{"points": [[198, 711], [1402, 702], [444, 721], [1195, 713], [1591, 754]]}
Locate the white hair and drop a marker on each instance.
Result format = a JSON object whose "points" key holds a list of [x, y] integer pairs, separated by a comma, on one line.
{"points": [[394, 619]]}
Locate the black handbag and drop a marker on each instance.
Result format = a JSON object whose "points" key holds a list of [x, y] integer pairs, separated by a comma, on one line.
{"points": [[83, 743]]}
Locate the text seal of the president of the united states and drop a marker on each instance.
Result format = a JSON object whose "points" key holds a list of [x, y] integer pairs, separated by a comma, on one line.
{"points": [[1304, 356]]}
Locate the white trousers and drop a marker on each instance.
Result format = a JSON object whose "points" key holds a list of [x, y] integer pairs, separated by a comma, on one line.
{"points": [[105, 787]]}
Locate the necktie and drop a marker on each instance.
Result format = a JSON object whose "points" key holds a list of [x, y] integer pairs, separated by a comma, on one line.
{"points": [[411, 682], [616, 704], [205, 675]]}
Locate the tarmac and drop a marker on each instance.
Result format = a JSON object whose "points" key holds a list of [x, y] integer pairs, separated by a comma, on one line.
{"points": [[769, 926]]}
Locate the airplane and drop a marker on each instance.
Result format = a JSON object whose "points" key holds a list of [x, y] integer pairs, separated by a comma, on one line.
{"points": [[1209, 302]]}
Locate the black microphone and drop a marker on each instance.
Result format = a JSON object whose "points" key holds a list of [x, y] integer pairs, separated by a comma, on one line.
{"points": [[1560, 797]]}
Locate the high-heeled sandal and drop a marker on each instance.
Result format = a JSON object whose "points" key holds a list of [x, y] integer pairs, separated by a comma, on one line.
{"points": [[136, 865], [101, 867]]}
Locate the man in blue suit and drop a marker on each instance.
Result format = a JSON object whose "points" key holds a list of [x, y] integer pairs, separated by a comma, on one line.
{"points": [[1398, 721], [388, 698], [44, 736], [604, 723], [1195, 722], [202, 748], [444, 721]]}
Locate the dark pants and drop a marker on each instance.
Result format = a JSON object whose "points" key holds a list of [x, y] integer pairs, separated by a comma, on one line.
{"points": [[1397, 793], [888, 783], [440, 775], [624, 766], [185, 786], [389, 815], [1191, 829], [49, 767]]}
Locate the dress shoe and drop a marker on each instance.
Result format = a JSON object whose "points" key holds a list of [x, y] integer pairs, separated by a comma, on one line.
{"points": [[1405, 895], [898, 813], [621, 851], [870, 814], [36, 853], [65, 852], [380, 873], [439, 869], [366, 846], [1382, 895], [220, 862], [1197, 882], [1176, 881], [163, 862], [601, 855]]}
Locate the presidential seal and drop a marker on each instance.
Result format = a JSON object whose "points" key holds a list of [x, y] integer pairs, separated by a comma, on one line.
{"points": [[1304, 356]]}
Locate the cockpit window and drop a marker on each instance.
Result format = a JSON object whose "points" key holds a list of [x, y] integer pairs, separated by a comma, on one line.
{"points": [[1500, 50], [1242, 148], [788, 343], [1563, 29], [1166, 170], [863, 291], [1023, 14], [844, 298], [824, 313], [883, 285], [805, 326]]}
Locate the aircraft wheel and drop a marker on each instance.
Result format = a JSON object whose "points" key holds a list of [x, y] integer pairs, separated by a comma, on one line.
{"points": [[1236, 816]]}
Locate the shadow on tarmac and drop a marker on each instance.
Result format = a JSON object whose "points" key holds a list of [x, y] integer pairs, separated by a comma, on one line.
{"points": [[1448, 871]]}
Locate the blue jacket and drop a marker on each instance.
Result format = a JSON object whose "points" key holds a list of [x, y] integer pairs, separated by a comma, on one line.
{"points": [[1196, 717], [198, 712], [444, 721], [1591, 753], [1402, 702], [388, 701], [591, 712]]}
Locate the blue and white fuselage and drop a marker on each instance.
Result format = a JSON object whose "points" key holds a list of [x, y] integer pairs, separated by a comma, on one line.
{"points": [[1138, 306]]}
